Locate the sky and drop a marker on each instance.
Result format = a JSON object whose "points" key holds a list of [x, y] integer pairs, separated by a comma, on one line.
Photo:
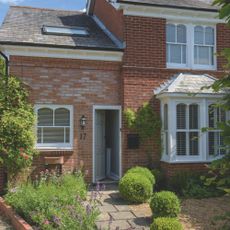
{"points": [[56, 4]]}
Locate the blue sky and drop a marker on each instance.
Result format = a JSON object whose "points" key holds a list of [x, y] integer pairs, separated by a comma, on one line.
{"points": [[56, 4]]}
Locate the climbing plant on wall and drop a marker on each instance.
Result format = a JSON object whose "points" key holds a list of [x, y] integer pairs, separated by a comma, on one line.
{"points": [[17, 121], [145, 121]]}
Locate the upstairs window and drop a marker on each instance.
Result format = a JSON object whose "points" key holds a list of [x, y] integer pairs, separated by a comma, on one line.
{"points": [[54, 126], [203, 45], [176, 44], [190, 46]]}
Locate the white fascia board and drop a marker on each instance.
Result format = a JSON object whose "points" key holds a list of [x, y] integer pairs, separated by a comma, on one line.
{"points": [[189, 95], [172, 14], [29, 51]]}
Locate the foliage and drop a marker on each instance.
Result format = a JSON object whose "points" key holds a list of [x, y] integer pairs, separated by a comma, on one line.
{"points": [[224, 218], [224, 12], [135, 188], [143, 171], [145, 121], [219, 174], [189, 185], [166, 223], [54, 202], [17, 120], [165, 204], [160, 179]]}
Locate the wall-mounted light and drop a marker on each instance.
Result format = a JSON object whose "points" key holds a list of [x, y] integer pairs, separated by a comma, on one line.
{"points": [[83, 121]]}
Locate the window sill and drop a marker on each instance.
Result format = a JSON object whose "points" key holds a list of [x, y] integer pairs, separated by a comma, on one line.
{"points": [[187, 161], [199, 67], [50, 149]]}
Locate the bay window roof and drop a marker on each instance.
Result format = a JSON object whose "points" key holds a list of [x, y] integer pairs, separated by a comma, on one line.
{"points": [[187, 83]]}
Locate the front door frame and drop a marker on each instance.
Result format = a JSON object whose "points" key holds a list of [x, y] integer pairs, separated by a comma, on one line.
{"points": [[107, 107]]}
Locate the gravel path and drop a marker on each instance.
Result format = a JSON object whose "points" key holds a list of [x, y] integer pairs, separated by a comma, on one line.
{"points": [[4, 225]]}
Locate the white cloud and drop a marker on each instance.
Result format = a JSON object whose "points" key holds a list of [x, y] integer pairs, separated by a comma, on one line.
{"points": [[11, 1]]}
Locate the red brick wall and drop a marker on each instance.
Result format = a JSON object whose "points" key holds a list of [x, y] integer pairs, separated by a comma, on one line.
{"points": [[144, 69], [223, 41], [70, 82], [172, 169], [110, 17]]}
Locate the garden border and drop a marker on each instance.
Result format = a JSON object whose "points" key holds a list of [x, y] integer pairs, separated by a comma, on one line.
{"points": [[17, 222]]}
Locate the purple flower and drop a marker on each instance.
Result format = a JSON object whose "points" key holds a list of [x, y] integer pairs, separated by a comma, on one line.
{"points": [[98, 187], [56, 220], [88, 209]]}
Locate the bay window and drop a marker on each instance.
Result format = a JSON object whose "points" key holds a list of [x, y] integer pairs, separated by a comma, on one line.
{"points": [[54, 128], [190, 46]]}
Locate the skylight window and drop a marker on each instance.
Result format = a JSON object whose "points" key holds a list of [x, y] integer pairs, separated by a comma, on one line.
{"points": [[75, 31]]}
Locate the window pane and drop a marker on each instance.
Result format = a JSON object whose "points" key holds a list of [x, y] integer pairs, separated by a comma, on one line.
{"points": [[199, 35], [181, 116], [166, 143], [211, 116], [213, 143], [222, 150], [181, 34], [175, 54], [203, 55], [211, 55], [53, 135], [193, 116], [39, 135], [168, 53], [196, 59], [184, 54], [165, 117], [181, 143], [209, 36], [67, 135], [62, 117], [45, 117], [193, 143], [170, 33]]}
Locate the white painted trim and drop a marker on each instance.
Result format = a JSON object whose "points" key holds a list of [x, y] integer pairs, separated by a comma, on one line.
{"points": [[108, 33], [29, 51], [56, 146], [190, 30], [107, 107], [186, 15]]}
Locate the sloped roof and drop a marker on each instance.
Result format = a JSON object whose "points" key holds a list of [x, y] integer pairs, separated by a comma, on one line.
{"points": [[186, 4], [187, 83], [23, 26]]}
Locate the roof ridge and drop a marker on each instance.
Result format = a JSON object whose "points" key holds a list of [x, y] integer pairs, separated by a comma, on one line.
{"points": [[47, 9]]}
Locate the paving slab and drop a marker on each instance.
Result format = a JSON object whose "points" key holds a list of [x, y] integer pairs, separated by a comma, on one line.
{"points": [[122, 207], [122, 215], [140, 223], [114, 225], [107, 208], [104, 216]]}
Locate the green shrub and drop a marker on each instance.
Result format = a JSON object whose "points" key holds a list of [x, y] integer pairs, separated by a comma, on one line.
{"points": [[196, 189], [165, 204], [55, 203], [160, 179], [135, 188], [189, 185], [166, 223], [143, 171]]}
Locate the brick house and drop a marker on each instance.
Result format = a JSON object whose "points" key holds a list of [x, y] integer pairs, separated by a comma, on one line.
{"points": [[84, 69]]}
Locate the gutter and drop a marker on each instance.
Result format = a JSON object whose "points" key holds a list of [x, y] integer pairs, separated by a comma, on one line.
{"points": [[166, 6], [6, 62], [61, 46]]}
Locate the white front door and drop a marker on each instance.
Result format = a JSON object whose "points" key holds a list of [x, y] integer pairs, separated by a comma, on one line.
{"points": [[100, 170]]}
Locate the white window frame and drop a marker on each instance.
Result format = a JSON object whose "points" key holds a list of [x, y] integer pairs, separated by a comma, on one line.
{"points": [[55, 146], [190, 30], [203, 102], [180, 65]]}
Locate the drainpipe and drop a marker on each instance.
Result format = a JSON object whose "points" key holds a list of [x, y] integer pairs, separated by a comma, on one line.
{"points": [[6, 62]]}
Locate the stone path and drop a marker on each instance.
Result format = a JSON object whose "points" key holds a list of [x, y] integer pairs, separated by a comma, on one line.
{"points": [[4, 225], [118, 214]]}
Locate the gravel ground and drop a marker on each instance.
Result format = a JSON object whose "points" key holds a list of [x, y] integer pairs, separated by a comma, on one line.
{"points": [[200, 214]]}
